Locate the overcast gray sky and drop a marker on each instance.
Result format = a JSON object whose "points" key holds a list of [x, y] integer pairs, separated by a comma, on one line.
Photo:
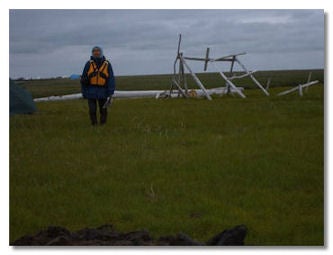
{"points": [[48, 43]]}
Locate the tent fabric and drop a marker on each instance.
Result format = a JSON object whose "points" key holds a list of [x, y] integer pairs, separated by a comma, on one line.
{"points": [[20, 100], [74, 77]]}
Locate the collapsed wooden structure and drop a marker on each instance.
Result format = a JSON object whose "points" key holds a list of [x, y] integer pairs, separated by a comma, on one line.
{"points": [[179, 80], [300, 87]]}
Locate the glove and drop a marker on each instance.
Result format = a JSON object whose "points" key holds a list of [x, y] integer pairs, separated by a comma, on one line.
{"points": [[108, 102]]}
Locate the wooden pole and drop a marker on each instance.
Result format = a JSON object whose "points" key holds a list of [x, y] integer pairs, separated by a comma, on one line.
{"points": [[183, 77], [310, 84], [207, 59], [268, 83], [176, 80], [232, 65], [229, 82], [297, 88], [309, 79], [300, 90], [180, 89], [253, 78], [185, 81], [227, 58], [241, 76], [228, 88], [179, 41], [180, 72], [196, 79], [287, 91], [174, 72]]}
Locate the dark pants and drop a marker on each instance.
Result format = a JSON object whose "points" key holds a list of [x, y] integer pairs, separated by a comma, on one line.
{"points": [[92, 103]]}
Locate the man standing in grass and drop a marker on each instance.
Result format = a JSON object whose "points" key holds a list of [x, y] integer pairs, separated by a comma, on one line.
{"points": [[97, 84]]}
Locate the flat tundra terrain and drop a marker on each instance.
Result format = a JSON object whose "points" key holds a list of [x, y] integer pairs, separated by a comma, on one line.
{"points": [[174, 165]]}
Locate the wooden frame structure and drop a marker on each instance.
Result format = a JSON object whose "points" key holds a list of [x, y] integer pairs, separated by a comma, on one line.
{"points": [[179, 81]]}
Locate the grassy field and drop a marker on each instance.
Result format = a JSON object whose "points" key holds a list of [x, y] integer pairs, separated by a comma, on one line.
{"points": [[172, 166]]}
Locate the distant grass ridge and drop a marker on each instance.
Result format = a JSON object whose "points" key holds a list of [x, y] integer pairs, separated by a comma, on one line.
{"points": [[56, 87]]}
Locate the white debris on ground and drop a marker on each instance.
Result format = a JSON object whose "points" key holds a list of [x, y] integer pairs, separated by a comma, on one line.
{"points": [[138, 94]]}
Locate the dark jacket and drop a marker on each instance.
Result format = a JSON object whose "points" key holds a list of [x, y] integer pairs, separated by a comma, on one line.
{"points": [[97, 92]]}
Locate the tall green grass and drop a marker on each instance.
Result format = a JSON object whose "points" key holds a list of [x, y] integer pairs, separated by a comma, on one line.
{"points": [[170, 166]]}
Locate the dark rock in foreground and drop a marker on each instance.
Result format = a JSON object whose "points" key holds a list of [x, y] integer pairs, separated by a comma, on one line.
{"points": [[106, 235], [233, 236]]}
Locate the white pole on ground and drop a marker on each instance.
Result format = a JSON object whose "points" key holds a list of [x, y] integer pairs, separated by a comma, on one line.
{"points": [[287, 91], [310, 84], [195, 78], [297, 88]]}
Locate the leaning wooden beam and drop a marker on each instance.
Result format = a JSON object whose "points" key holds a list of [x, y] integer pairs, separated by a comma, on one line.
{"points": [[184, 80], [288, 91], [207, 59], [232, 65], [180, 73], [241, 76], [195, 78], [268, 83], [238, 91], [179, 42], [309, 84], [196, 59], [179, 88], [229, 56], [309, 79], [223, 60], [306, 86], [301, 86], [253, 78]]}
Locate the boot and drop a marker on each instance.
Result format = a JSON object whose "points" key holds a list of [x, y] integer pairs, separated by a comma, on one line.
{"points": [[103, 118], [93, 119]]}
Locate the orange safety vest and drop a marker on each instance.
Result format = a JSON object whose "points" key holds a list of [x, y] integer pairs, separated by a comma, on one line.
{"points": [[97, 77]]}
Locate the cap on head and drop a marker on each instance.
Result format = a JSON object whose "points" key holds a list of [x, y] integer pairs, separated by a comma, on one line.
{"points": [[95, 50]]}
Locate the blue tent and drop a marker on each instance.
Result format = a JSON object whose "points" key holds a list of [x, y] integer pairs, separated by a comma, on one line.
{"points": [[74, 77], [20, 100]]}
